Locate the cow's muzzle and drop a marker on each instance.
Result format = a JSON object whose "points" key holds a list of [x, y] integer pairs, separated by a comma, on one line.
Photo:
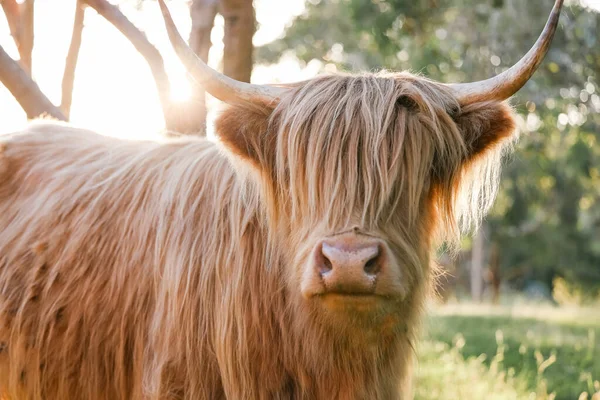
{"points": [[349, 267]]}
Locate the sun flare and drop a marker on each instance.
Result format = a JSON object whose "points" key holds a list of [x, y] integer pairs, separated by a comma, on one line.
{"points": [[114, 89]]}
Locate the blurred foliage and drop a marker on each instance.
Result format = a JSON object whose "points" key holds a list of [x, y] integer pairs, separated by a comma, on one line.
{"points": [[547, 217], [534, 352], [571, 294]]}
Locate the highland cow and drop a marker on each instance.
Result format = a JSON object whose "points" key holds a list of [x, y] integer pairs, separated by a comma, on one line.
{"points": [[288, 260]]}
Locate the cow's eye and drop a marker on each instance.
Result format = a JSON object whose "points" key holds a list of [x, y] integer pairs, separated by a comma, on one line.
{"points": [[453, 111], [406, 102]]}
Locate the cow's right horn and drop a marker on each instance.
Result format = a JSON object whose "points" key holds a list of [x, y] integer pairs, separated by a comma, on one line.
{"points": [[220, 86]]}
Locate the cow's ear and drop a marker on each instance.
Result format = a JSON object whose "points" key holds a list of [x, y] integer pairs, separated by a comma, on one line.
{"points": [[485, 126], [245, 133]]}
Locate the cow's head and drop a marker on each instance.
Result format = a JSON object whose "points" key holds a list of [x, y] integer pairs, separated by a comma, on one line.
{"points": [[361, 172]]}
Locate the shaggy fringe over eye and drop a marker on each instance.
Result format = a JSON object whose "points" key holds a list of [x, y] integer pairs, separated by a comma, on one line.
{"points": [[370, 146]]}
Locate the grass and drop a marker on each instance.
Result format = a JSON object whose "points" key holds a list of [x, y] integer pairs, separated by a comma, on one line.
{"points": [[526, 352]]}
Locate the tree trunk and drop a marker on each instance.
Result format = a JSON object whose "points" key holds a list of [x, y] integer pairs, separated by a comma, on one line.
{"points": [[495, 275], [13, 16], [71, 61], [202, 13], [26, 35], [25, 90], [20, 22], [240, 26], [477, 262]]}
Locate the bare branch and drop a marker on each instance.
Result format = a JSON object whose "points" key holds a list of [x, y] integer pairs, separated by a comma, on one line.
{"points": [[25, 90], [25, 42], [12, 12], [180, 118], [71, 61], [20, 22], [138, 39]]}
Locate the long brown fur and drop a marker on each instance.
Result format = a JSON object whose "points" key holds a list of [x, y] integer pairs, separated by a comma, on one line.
{"points": [[143, 270]]}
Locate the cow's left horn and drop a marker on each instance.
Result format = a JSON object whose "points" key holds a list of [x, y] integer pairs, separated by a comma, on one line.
{"points": [[506, 84], [219, 85]]}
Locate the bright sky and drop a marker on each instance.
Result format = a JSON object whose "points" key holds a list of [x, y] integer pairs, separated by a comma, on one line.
{"points": [[593, 4], [114, 91]]}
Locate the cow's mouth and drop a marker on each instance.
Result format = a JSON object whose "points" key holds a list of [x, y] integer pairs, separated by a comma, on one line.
{"points": [[350, 301]]}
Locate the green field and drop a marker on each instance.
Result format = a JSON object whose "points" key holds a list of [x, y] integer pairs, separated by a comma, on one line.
{"points": [[521, 352]]}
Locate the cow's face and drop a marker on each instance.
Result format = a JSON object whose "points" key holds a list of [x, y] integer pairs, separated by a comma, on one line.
{"points": [[359, 173]]}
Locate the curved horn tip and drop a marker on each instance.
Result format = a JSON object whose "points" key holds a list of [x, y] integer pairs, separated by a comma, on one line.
{"points": [[504, 85]]}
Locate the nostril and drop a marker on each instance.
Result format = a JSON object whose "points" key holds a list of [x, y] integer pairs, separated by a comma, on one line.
{"points": [[325, 265], [372, 267]]}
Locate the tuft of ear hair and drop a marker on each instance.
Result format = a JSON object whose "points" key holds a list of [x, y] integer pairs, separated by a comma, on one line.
{"points": [[245, 133], [485, 125]]}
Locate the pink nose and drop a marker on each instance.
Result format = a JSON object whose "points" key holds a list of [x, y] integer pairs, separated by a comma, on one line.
{"points": [[349, 264]]}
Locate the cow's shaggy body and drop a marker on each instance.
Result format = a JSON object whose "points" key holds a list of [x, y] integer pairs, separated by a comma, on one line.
{"points": [[134, 270]]}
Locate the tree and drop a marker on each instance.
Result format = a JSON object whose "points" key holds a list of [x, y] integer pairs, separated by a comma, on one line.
{"points": [[71, 61], [20, 22], [239, 30], [17, 76], [25, 90], [186, 118], [202, 13], [240, 26]]}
